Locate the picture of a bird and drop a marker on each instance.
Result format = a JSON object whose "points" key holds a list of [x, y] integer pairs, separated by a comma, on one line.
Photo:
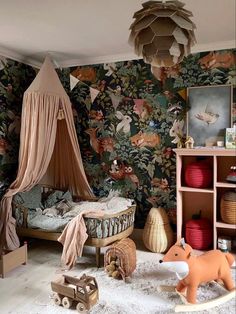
{"points": [[208, 116]]}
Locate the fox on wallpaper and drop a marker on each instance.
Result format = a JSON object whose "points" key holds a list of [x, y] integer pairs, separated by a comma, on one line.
{"points": [[132, 119]]}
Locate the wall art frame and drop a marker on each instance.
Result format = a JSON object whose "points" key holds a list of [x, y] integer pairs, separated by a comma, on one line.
{"points": [[209, 114]]}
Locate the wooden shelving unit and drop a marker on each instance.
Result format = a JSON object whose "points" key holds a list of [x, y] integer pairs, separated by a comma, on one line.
{"points": [[191, 200]]}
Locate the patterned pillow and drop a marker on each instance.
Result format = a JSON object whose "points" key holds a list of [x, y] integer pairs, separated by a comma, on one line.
{"points": [[56, 197], [67, 196], [29, 199]]}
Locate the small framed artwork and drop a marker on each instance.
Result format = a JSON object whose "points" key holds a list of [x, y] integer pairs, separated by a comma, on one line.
{"points": [[210, 113], [230, 137]]}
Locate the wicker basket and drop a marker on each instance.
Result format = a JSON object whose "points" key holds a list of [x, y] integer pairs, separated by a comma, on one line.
{"points": [[157, 234], [125, 251], [198, 175], [110, 224], [228, 207], [199, 233]]}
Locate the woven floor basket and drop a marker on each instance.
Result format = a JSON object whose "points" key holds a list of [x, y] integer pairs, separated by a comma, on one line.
{"points": [[228, 207], [125, 251], [157, 234]]}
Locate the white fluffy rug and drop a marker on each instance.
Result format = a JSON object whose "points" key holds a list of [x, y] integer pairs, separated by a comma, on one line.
{"points": [[29, 289], [142, 295]]}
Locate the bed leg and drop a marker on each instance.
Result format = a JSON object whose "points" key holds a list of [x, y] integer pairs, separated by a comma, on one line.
{"points": [[98, 251]]}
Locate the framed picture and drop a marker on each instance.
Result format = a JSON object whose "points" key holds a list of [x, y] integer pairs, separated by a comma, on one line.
{"points": [[230, 137], [209, 113]]}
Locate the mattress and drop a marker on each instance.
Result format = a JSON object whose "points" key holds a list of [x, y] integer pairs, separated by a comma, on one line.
{"points": [[119, 215]]}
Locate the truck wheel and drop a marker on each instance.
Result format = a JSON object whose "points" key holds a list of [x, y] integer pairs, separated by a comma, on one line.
{"points": [[57, 298], [81, 308], [66, 302]]}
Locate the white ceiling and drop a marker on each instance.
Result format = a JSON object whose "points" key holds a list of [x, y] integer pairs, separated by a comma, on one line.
{"points": [[79, 32]]}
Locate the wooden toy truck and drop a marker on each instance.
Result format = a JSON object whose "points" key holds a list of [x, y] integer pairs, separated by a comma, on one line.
{"points": [[83, 291]]}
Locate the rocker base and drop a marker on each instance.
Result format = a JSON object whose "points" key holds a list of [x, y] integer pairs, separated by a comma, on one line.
{"points": [[189, 307]]}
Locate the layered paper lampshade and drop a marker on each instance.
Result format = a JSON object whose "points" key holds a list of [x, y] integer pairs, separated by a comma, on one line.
{"points": [[162, 32]]}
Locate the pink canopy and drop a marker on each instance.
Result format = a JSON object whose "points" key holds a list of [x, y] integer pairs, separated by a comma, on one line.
{"points": [[49, 149]]}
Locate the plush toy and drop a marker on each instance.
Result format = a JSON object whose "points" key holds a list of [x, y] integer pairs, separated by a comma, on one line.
{"points": [[113, 268], [194, 270]]}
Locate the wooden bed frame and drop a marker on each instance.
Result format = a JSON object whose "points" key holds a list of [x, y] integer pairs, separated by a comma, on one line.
{"points": [[98, 243]]}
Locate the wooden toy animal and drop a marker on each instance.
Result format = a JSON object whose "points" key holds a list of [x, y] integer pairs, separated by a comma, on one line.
{"points": [[194, 270], [189, 142]]}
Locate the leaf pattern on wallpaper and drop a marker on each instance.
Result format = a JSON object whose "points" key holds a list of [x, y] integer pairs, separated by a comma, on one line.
{"points": [[14, 80], [231, 79], [126, 133], [125, 127], [139, 110]]}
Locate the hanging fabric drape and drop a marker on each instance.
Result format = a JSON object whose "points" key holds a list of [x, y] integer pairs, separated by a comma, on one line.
{"points": [[49, 149]]}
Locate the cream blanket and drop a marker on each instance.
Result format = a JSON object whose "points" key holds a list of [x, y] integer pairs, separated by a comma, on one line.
{"points": [[74, 236]]}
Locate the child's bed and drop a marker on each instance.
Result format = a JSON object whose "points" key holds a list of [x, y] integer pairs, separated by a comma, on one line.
{"points": [[43, 213]]}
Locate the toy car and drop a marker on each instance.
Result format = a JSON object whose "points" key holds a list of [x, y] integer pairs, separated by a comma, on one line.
{"points": [[83, 291]]}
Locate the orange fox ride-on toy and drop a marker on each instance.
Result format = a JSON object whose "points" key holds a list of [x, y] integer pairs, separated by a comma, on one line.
{"points": [[193, 270]]}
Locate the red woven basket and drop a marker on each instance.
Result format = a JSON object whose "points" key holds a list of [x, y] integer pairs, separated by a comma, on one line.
{"points": [[198, 175], [199, 233]]}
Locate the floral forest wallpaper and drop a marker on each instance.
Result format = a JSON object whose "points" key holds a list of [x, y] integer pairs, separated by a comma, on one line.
{"points": [[15, 78], [128, 118]]}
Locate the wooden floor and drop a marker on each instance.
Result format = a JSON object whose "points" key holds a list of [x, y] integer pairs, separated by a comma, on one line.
{"points": [[30, 284], [27, 290]]}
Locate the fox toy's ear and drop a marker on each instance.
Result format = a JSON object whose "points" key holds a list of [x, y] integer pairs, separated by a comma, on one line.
{"points": [[181, 242]]}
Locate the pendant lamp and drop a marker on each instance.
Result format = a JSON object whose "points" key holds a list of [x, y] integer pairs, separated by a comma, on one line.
{"points": [[162, 33]]}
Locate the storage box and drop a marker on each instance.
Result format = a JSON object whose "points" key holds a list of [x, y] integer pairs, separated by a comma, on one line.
{"points": [[12, 259]]}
